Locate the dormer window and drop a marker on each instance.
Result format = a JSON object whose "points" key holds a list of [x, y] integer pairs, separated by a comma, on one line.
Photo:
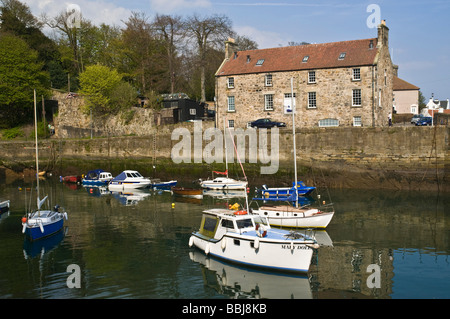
{"points": [[305, 58], [260, 62], [342, 56]]}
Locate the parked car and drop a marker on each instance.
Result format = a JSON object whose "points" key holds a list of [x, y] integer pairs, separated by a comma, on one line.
{"points": [[416, 117], [424, 121], [266, 123]]}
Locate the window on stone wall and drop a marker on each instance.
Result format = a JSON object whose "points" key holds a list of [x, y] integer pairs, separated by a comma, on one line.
{"points": [[231, 105], [356, 74], [356, 97], [231, 123], [357, 121], [312, 77], [328, 123], [268, 80], [312, 101], [268, 102], [230, 83]]}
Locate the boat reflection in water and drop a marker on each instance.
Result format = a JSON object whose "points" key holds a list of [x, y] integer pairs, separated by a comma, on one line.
{"points": [[32, 249], [131, 197], [243, 283]]}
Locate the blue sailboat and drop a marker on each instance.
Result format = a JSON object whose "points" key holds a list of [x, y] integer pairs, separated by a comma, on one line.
{"points": [[40, 223]]}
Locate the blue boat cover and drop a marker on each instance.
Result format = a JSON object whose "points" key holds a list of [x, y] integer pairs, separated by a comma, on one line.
{"points": [[120, 177], [94, 174]]}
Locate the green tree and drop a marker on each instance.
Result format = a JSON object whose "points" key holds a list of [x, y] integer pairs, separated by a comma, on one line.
{"points": [[20, 73], [98, 83]]}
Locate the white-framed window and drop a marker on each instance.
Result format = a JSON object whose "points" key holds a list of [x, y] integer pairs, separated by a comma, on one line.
{"points": [[312, 77], [260, 62], [357, 121], [357, 74], [356, 99], [231, 123], [328, 123], [268, 80], [305, 58], [192, 111], [312, 101], [230, 83], [287, 103], [231, 105], [268, 102]]}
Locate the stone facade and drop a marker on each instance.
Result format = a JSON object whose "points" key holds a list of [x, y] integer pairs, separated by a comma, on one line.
{"points": [[324, 96]]}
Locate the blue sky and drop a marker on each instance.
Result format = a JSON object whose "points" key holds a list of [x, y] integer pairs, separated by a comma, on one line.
{"points": [[419, 29]]}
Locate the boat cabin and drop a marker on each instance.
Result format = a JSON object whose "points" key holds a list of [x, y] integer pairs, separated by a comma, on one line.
{"points": [[216, 222]]}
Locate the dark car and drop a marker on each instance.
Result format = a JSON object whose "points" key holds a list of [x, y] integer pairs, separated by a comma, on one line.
{"points": [[266, 123], [416, 117], [424, 121]]}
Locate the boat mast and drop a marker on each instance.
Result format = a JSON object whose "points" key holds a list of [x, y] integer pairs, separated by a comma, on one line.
{"points": [[226, 150], [293, 141], [37, 155]]}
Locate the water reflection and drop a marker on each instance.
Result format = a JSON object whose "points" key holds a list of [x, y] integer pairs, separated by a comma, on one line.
{"points": [[243, 283], [141, 250]]}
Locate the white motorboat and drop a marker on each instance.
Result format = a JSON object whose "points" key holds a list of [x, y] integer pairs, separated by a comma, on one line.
{"points": [[248, 239], [129, 179], [224, 183]]}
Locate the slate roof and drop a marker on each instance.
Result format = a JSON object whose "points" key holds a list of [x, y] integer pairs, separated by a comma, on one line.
{"points": [[402, 85], [321, 56]]}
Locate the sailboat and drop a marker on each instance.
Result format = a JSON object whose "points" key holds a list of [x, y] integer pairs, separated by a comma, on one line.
{"points": [[41, 223], [293, 215], [226, 182]]}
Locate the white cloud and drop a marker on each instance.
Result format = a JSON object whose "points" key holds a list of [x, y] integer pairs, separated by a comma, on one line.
{"points": [[265, 39], [168, 7], [97, 11]]}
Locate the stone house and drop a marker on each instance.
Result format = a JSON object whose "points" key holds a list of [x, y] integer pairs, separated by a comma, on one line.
{"points": [[406, 97], [347, 83]]}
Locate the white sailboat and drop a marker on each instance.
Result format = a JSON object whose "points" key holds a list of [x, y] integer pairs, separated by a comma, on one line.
{"points": [[41, 223], [224, 183], [289, 216]]}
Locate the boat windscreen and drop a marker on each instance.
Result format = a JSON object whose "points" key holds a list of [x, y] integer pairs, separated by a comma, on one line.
{"points": [[243, 223], [208, 226]]}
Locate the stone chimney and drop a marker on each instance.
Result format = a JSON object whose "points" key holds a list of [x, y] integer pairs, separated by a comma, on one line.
{"points": [[230, 48], [383, 34]]}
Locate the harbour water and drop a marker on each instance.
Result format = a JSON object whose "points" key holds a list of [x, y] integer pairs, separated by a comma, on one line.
{"points": [[380, 244]]}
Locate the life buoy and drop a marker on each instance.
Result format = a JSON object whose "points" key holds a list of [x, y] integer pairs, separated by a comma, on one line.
{"points": [[240, 212], [260, 231]]}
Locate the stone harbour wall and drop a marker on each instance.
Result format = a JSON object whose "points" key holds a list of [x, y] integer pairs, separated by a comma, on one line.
{"points": [[391, 157]]}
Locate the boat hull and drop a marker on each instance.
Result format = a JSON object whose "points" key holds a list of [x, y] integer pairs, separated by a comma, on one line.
{"points": [[312, 218], [34, 232], [286, 192], [187, 192], [164, 185], [121, 185], [219, 183], [287, 257], [88, 182]]}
